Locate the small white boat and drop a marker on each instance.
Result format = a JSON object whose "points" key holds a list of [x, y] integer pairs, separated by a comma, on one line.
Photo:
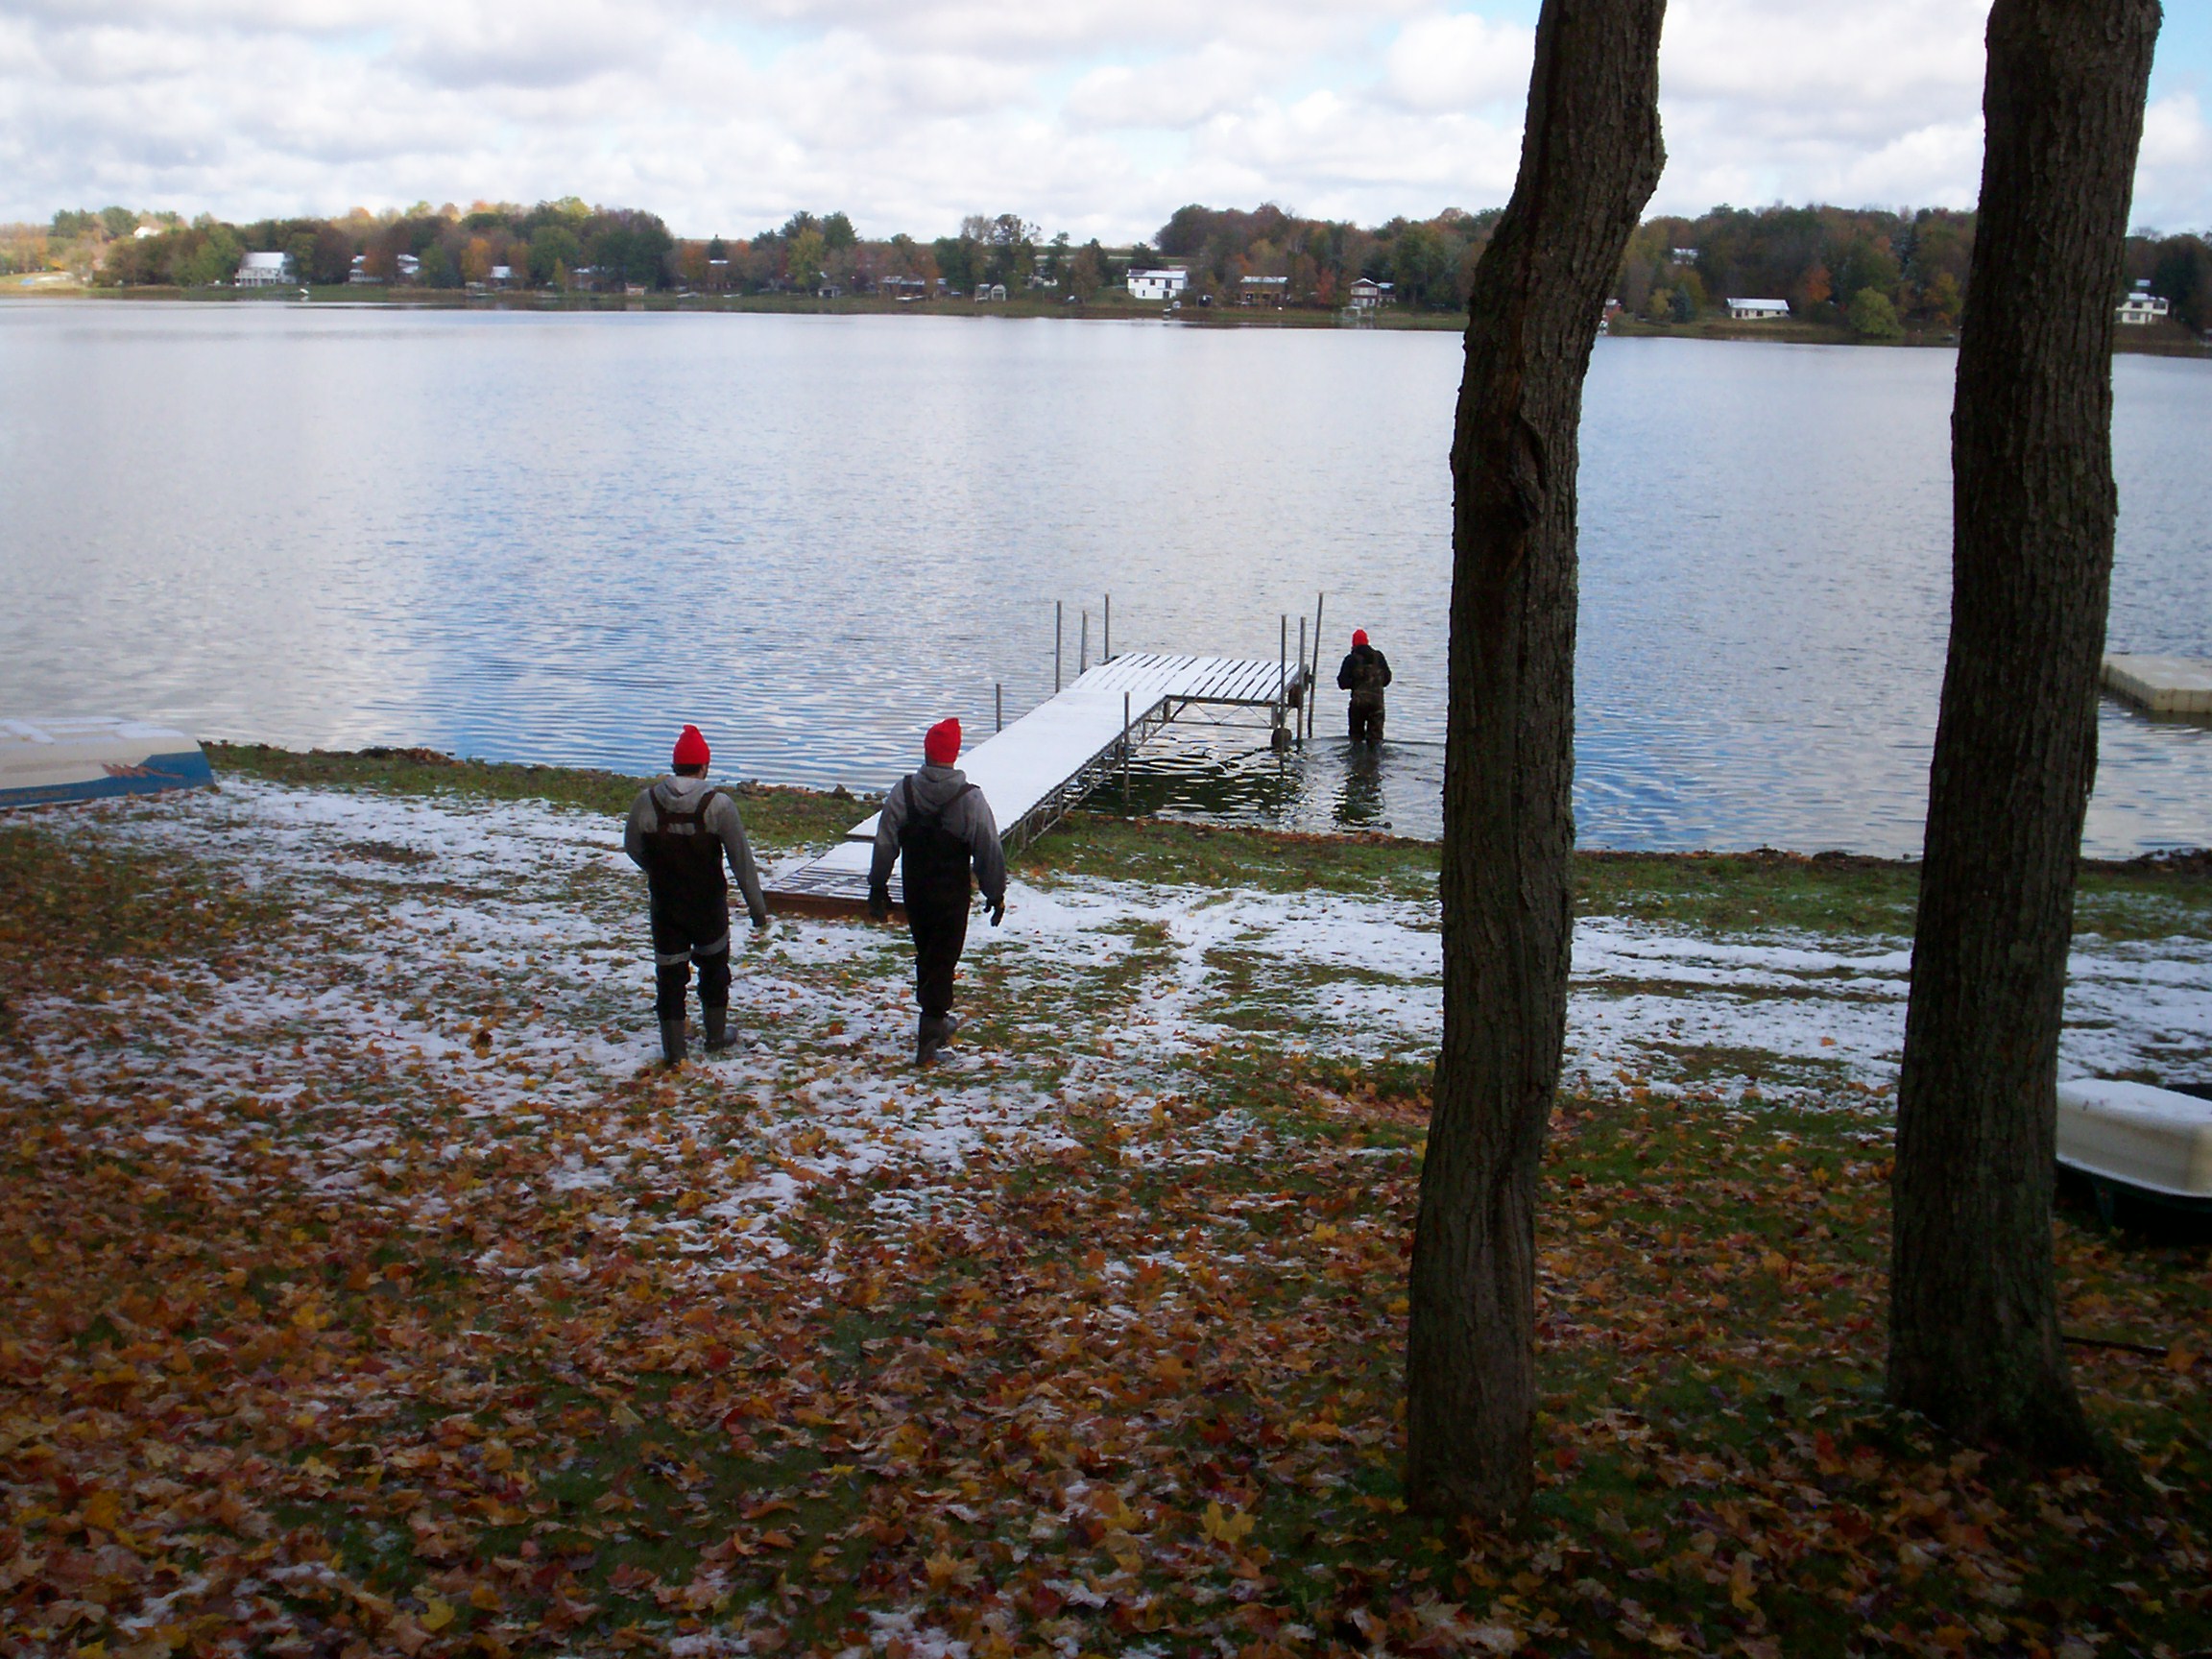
{"points": [[76, 757], [2135, 1141]]}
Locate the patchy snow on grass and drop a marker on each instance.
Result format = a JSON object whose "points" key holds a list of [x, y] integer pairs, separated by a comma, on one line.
{"points": [[464, 989]]}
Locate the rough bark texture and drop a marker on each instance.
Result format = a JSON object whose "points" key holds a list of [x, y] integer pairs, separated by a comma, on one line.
{"points": [[1973, 1318], [1589, 160]]}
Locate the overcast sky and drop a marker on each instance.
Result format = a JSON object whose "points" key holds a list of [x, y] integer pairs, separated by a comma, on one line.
{"points": [[1098, 117]]}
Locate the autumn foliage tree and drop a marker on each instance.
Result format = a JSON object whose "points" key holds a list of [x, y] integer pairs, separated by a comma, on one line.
{"points": [[1590, 157], [1974, 1342]]}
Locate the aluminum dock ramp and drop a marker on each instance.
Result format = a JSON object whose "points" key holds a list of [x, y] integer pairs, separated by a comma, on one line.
{"points": [[1037, 768]]}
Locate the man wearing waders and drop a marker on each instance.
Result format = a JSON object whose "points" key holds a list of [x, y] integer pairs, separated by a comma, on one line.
{"points": [[1364, 674], [679, 832], [936, 824]]}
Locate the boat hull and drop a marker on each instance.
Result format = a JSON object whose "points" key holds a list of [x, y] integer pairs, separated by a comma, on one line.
{"points": [[55, 761]]}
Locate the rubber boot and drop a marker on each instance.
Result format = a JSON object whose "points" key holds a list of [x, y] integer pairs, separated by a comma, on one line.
{"points": [[928, 1037], [672, 1042], [718, 1035]]}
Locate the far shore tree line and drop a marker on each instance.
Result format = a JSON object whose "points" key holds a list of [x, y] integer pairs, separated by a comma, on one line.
{"points": [[1873, 271]]}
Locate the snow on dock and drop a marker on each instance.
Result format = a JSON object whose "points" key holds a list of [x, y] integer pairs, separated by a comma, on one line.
{"points": [[2162, 685], [1041, 765]]}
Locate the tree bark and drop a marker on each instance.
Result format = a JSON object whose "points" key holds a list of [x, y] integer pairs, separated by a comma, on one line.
{"points": [[1974, 1340], [1589, 156]]}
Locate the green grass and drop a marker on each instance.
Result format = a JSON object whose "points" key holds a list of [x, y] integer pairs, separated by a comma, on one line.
{"points": [[775, 818], [1728, 892]]}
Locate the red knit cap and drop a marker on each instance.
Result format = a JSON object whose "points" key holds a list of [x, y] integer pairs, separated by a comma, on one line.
{"points": [[692, 749], [941, 746], [1359, 635]]}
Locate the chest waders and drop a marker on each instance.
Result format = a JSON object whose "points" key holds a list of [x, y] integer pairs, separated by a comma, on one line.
{"points": [[691, 915], [933, 866]]}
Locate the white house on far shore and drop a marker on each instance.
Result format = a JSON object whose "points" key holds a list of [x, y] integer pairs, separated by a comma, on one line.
{"points": [[265, 271], [2142, 308], [1167, 283], [1757, 310]]}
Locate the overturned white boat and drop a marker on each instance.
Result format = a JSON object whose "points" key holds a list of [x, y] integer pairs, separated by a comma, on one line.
{"points": [[89, 759], [2137, 1141]]}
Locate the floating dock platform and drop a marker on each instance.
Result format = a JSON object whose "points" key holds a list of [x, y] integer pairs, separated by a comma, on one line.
{"points": [[2162, 685], [1037, 768], [47, 762]]}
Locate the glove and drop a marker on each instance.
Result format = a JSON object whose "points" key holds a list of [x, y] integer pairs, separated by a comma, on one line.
{"points": [[998, 912], [760, 922], [879, 904]]}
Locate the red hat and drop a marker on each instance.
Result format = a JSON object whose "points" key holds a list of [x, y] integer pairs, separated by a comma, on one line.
{"points": [[1359, 635], [692, 749], [941, 746]]}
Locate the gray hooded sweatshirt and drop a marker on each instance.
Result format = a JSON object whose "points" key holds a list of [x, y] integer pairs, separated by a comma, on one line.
{"points": [[721, 821], [968, 819]]}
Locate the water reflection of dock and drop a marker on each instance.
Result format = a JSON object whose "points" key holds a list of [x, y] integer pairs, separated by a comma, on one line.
{"points": [[1033, 771]]}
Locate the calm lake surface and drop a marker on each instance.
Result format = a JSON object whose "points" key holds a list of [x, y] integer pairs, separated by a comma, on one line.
{"points": [[554, 537]]}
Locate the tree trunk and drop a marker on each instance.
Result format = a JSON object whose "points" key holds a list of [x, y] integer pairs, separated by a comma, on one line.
{"points": [[1974, 1340], [1589, 156]]}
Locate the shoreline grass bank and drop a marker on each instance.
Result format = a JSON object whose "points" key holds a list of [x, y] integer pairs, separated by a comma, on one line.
{"points": [[363, 1290], [1826, 891]]}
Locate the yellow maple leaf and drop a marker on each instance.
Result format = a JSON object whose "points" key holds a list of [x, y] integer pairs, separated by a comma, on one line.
{"points": [[438, 1614], [943, 1571], [1740, 1583], [1232, 1528], [103, 1509], [2180, 1356]]}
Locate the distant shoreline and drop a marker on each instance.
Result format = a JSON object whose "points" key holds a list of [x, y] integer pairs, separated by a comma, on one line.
{"points": [[2170, 341]]}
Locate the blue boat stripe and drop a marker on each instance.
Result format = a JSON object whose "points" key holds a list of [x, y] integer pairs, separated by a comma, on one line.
{"points": [[151, 776]]}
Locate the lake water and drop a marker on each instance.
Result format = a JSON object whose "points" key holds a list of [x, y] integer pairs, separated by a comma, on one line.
{"points": [[554, 537]]}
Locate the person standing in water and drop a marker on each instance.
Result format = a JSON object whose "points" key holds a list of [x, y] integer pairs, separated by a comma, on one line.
{"points": [[1364, 674]]}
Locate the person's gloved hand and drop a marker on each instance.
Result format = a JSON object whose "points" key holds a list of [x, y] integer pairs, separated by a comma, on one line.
{"points": [[759, 920], [999, 912], [879, 904]]}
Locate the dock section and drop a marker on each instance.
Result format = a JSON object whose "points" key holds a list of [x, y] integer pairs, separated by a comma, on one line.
{"points": [[2162, 685], [1041, 764]]}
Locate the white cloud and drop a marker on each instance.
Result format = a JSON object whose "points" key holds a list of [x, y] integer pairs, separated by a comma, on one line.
{"points": [[1099, 116], [2176, 163], [1458, 61]]}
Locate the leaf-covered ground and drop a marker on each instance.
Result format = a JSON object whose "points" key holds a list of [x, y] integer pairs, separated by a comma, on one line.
{"points": [[364, 1289]]}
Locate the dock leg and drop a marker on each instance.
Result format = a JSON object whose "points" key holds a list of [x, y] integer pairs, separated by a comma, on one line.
{"points": [[1124, 751], [1106, 640], [998, 707], [1320, 604], [1059, 609], [1083, 650]]}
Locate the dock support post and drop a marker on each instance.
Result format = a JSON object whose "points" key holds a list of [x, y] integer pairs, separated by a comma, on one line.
{"points": [[998, 707], [1304, 682], [1320, 604], [1106, 640], [1059, 608], [1124, 751], [1280, 738], [1083, 648]]}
